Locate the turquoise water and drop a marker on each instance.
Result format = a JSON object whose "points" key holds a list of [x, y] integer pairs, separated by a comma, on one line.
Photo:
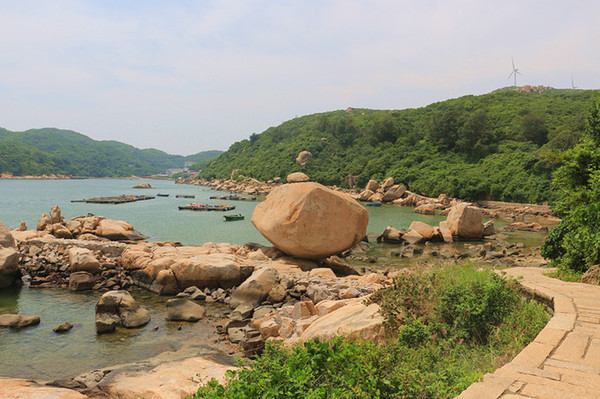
{"points": [[160, 218]]}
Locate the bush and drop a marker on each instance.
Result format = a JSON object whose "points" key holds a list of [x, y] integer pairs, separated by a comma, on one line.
{"points": [[430, 354]]}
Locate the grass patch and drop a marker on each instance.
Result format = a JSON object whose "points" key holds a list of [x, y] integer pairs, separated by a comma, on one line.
{"points": [[447, 327], [564, 274]]}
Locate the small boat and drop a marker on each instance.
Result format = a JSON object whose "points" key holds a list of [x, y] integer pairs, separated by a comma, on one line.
{"points": [[185, 196], [162, 195], [207, 207], [376, 203], [229, 218]]}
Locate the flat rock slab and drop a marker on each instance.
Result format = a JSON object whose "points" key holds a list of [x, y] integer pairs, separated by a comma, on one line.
{"points": [[173, 380], [13, 388]]}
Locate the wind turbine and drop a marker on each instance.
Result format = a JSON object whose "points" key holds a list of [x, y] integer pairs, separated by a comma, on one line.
{"points": [[572, 84], [514, 72]]}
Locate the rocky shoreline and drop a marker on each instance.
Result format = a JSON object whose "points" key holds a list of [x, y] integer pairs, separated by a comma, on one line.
{"points": [[271, 296], [389, 192]]}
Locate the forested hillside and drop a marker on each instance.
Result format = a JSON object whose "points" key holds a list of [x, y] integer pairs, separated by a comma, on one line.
{"points": [[503, 145], [47, 151]]}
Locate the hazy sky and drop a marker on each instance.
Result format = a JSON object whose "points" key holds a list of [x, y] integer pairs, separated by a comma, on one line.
{"points": [[188, 76]]}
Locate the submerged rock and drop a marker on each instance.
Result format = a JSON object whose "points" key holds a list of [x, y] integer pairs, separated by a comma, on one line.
{"points": [[63, 328], [17, 321], [308, 220]]}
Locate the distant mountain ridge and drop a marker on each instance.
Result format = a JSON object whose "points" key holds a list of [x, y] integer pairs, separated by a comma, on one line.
{"points": [[58, 151], [502, 145]]}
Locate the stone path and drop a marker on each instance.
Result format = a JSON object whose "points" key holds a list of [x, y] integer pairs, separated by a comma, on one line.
{"points": [[564, 359]]}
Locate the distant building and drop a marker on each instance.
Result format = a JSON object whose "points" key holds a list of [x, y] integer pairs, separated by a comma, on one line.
{"points": [[188, 164], [172, 171]]}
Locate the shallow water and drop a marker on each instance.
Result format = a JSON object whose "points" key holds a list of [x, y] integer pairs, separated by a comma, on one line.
{"points": [[38, 352]]}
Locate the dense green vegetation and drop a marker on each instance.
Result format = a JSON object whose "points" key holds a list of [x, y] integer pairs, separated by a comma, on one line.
{"points": [[503, 145], [447, 328], [47, 151], [574, 244]]}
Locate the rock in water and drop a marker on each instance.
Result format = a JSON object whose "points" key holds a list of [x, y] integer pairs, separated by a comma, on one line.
{"points": [[119, 308], [308, 220], [181, 309], [63, 328], [17, 321], [9, 258], [465, 221]]}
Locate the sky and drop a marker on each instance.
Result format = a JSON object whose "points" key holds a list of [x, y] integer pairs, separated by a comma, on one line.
{"points": [[188, 76]]}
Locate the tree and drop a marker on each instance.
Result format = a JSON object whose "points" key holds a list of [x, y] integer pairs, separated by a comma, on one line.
{"points": [[574, 244], [533, 128]]}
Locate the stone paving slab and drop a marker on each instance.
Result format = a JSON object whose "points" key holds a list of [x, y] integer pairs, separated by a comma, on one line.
{"points": [[563, 361]]}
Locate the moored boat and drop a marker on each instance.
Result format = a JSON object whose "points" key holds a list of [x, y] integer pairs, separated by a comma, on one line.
{"points": [[376, 203], [207, 207], [229, 218], [162, 195], [185, 196]]}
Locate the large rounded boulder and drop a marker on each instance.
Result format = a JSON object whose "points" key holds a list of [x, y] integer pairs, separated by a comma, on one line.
{"points": [[465, 221], [308, 220], [9, 258]]}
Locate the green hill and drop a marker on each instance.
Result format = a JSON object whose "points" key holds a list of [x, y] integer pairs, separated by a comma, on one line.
{"points": [[503, 145], [49, 150]]}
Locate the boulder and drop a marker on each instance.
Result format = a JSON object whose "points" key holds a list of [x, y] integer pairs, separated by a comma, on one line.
{"points": [[83, 260], [255, 289], [322, 272], [303, 157], [488, 228], [60, 231], [389, 182], [117, 230], [6, 238], [9, 266], [393, 193], [308, 220], [339, 268], [116, 308], [55, 215], [372, 185], [422, 228], [181, 309], [297, 177], [377, 197], [43, 221], [445, 232], [143, 185], [413, 237], [465, 221], [81, 281], [591, 276], [22, 226], [166, 283], [365, 195], [17, 321], [353, 320], [425, 209], [390, 235], [212, 271]]}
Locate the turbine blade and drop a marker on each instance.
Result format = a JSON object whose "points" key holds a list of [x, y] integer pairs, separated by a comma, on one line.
{"points": [[513, 62], [511, 74]]}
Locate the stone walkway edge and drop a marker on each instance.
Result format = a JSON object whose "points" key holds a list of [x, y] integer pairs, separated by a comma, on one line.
{"points": [[563, 361]]}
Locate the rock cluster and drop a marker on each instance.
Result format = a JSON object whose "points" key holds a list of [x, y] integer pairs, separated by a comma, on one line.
{"points": [[463, 222], [308, 220], [248, 186], [143, 185], [77, 264], [88, 227]]}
